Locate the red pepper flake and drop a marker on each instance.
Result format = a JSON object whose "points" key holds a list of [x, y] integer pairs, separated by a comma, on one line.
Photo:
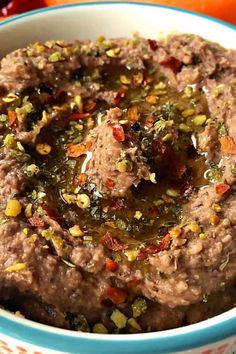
{"points": [[12, 118], [152, 44], [117, 204], [80, 180], [78, 149], [89, 106], [228, 145], [165, 242], [111, 266], [112, 243], [133, 283], [118, 131], [138, 79], [36, 221], [133, 114], [221, 188], [88, 144], [153, 249], [149, 122], [49, 211], [172, 63], [153, 212], [120, 94], [116, 295], [75, 116], [109, 183]]}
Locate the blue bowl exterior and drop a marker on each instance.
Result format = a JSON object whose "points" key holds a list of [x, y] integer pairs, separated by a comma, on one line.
{"points": [[153, 343], [158, 343]]}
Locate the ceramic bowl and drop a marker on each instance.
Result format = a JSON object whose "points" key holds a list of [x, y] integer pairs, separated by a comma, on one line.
{"points": [[87, 21]]}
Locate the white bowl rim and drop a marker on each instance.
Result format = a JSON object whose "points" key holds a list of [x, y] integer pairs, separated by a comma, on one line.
{"points": [[117, 2]]}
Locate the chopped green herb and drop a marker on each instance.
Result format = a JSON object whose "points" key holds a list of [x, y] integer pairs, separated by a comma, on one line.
{"points": [[55, 57], [139, 307], [80, 323]]}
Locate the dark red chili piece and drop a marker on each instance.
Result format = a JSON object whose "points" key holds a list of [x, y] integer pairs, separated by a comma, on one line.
{"points": [[49, 211], [109, 183], [117, 204], [153, 212], [12, 118], [36, 221], [118, 131], [152, 249], [172, 63], [112, 243], [116, 295], [75, 116], [152, 44], [118, 98], [111, 266]]}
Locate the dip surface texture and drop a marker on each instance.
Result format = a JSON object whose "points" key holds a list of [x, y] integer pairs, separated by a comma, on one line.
{"points": [[117, 183]]}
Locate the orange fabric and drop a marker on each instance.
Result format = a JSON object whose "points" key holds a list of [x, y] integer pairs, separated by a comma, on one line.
{"points": [[223, 9]]}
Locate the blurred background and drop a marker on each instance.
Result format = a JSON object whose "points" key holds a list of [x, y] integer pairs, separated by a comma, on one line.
{"points": [[222, 9]]}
